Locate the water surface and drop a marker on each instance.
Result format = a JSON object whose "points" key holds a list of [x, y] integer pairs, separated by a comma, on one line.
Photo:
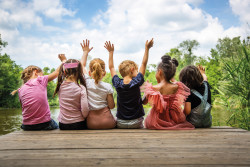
{"points": [[11, 119]]}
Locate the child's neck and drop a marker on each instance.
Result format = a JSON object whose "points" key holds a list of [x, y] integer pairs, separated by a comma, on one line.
{"points": [[127, 79], [166, 88], [71, 79]]}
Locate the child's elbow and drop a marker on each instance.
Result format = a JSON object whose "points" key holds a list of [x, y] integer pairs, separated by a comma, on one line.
{"points": [[112, 106]]}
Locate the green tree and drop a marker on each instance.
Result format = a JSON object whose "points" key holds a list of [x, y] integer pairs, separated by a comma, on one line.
{"points": [[10, 80], [234, 87], [53, 101], [187, 47]]}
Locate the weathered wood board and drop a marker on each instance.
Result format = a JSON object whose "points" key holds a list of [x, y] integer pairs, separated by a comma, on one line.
{"points": [[217, 146]]}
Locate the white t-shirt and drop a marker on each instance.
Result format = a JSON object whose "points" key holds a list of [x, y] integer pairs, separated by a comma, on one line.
{"points": [[97, 94]]}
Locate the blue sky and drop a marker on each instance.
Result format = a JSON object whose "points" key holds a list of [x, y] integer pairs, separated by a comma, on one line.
{"points": [[38, 30]]}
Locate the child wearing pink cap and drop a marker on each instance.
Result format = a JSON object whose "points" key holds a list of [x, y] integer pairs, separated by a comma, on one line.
{"points": [[71, 89]]}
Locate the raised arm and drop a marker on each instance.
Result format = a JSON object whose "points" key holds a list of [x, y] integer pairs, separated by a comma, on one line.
{"points": [[110, 48], [86, 50], [54, 74], [148, 45], [202, 70]]}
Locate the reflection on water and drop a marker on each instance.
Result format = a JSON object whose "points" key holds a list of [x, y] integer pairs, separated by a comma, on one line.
{"points": [[11, 119]]}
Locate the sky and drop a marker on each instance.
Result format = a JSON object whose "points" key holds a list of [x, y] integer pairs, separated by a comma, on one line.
{"points": [[38, 30]]}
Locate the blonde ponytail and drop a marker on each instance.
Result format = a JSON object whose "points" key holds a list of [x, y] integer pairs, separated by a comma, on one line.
{"points": [[97, 68]]}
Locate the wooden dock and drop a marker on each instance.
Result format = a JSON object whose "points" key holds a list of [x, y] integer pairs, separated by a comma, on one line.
{"points": [[217, 146]]}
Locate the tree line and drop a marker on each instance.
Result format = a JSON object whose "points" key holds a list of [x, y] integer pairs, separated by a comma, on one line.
{"points": [[227, 69]]}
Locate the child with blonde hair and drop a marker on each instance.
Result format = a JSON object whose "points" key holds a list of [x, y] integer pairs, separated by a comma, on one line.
{"points": [[71, 89], [100, 94], [129, 103], [33, 98], [167, 98]]}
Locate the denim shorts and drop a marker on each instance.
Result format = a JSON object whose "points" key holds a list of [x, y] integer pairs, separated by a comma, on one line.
{"points": [[130, 124], [50, 125]]}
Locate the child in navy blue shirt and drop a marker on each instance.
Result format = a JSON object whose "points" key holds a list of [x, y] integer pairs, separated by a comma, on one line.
{"points": [[129, 103]]}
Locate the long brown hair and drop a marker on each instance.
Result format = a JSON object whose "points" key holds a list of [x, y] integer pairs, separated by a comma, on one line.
{"points": [[75, 72], [97, 68]]}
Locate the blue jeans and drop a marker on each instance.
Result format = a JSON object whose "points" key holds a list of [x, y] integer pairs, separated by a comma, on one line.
{"points": [[42, 126]]}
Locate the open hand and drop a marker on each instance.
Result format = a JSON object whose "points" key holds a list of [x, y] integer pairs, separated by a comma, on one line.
{"points": [[149, 44], [201, 69], [85, 46], [62, 57], [109, 46]]}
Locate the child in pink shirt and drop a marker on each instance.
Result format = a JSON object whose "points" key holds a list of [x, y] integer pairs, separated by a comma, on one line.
{"points": [[71, 89], [33, 98]]}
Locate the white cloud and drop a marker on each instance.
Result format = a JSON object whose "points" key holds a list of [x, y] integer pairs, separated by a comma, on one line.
{"points": [[241, 8], [127, 24]]}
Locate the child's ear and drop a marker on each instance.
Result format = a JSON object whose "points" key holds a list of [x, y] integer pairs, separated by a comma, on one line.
{"points": [[90, 73], [104, 73], [132, 69], [35, 72]]}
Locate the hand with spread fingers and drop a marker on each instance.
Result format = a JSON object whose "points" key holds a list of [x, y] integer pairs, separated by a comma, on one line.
{"points": [[85, 46]]}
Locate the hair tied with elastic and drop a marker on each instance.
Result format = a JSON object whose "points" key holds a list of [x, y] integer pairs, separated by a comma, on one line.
{"points": [[70, 65], [165, 59], [175, 62]]}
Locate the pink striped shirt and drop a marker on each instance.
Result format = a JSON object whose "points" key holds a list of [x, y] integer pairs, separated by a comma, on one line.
{"points": [[33, 97], [73, 103]]}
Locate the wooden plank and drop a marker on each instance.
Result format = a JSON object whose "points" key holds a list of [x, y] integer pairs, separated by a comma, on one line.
{"points": [[127, 147]]}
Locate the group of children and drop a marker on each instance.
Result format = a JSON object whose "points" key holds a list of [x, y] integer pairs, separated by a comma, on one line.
{"points": [[86, 101]]}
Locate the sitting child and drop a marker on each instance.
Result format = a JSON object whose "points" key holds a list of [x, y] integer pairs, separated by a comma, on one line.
{"points": [[167, 99], [71, 89], [198, 104], [100, 94], [129, 103], [33, 98]]}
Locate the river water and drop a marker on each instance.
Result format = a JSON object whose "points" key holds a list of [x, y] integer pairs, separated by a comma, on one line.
{"points": [[11, 119]]}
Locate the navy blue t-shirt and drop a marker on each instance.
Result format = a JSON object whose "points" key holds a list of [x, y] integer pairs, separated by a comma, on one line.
{"points": [[129, 102]]}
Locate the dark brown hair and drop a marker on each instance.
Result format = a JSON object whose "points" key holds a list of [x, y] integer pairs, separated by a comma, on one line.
{"points": [[191, 77], [75, 72], [168, 66]]}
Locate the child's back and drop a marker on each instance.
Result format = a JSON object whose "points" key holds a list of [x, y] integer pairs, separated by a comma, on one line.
{"points": [[33, 97], [129, 103], [71, 89], [200, 100], [100, 94], [199, 112], [167, 99], [73, 100]]}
